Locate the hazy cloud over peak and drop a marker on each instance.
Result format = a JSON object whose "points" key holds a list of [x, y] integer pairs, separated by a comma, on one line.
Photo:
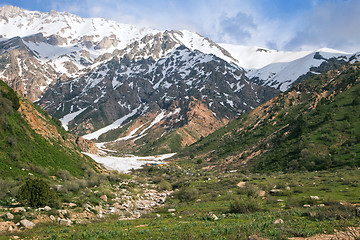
{"points": [[281, 24]]}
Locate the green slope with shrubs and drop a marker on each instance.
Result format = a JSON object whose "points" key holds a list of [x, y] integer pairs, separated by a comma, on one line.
{"points": [[24, 152], [312, 126]]}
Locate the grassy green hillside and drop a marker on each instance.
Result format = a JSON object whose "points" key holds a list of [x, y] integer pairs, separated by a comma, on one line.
{"points": [[23, 151], [312, 126]]}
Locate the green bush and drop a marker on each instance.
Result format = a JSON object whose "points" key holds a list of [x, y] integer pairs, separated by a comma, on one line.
{"points": [[165, 185], [12, 96], [245, 205], [36, 193], [187, 194]]}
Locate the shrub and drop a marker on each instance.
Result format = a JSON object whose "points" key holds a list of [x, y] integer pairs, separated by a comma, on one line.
{"points": [[36, 193], [63, 174], [157, 179], [12, 96], [165, 185], [245, 205], [187, 194]]}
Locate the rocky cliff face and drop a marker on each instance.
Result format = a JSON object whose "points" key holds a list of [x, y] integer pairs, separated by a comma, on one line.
{"points": [[39, 123]]}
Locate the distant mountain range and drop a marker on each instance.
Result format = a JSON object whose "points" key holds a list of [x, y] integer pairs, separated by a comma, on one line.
{"points": [[142, 89]]}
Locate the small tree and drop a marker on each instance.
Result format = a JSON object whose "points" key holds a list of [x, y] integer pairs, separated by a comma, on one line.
{"points": [[36, 193]]}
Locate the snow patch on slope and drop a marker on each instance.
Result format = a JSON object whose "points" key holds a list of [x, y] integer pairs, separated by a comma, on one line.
{"points": [[125, 164], [114, 125], [69, 117]]}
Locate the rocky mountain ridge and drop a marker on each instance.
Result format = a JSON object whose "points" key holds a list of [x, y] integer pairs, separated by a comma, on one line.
{"points": [[166, 90], [123, 82]]}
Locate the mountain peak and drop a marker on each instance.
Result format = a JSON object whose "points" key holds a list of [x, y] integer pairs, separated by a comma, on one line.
{"points": [[9, 11]]}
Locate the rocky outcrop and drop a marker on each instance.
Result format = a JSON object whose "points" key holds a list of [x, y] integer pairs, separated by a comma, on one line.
{"points": [[47, 129], [27, 224]]}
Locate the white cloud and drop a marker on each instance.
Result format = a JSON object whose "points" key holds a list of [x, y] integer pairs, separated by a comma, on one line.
{"points": [[325, 24], [334, 24]]}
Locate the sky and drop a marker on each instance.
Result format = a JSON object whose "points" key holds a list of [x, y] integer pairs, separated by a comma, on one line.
{"points": [[276, 24]]}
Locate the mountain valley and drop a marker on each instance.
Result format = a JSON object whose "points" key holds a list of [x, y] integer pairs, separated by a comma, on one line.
{"points": [[116, 131]]}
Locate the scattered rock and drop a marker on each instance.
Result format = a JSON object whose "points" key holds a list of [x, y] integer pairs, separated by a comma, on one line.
{"points": [[47, 208], [241, 184], [65, 222], [18, 210], [62, 211], [306, 205], [72, 205], [4, 226], [104, 198], [27, 224], [314, 197], [52, 218], [275, 191], [171, 210], [213, 216], [261, 193], [278, 221], [10, 216]]}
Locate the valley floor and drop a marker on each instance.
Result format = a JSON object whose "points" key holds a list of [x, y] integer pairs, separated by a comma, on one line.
{"points": [[232, 205]]}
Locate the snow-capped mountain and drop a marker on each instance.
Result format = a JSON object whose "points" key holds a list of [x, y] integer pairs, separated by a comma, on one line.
{"points": [[122, 90], [71, 46], [135, 86], [282, 69]]}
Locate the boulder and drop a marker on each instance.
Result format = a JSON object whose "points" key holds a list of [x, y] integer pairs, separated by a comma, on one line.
{"points": [[213, 216], [10, 216], [47, 208], [261, 193], [171, 210], [62, 211], [72, 205], [314, 197], [275, 191], [278, 221], [104, 198], [6, 226], [52, 218], [27, 224], [18, 210], [65, 222]]}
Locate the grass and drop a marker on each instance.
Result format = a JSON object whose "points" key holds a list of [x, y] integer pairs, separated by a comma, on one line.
{"points": [[215, 193]]}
